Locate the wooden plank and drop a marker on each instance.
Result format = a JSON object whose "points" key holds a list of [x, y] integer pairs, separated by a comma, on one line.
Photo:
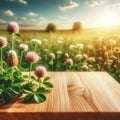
{"points": [[86, 92]]}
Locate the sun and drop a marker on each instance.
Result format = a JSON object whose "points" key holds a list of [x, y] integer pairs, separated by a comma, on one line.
{"points": [[109, 19]]}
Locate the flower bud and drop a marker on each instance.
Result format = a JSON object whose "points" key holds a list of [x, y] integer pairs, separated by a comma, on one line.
{"points": [[12, 59]]}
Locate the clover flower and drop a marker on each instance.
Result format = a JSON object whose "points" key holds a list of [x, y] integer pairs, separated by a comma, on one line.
{"points": [[85, 68], [69, 62], [78, 56], [40, 71], [117, 50], [66, 55], [52, 56], [84, 57], [12, 59], [80, 45], [91, 59], [72, 47], [59, 52], [112, 42], [3, 42], [23, 47], [32, 57], [36, 42], [60, 42], [13, 27]]}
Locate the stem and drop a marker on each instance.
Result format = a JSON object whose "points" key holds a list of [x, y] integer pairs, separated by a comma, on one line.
{"points": [[35, 48], [12, 41], [12, 73], [30, 71], [39, 82], [52, 67], [103, 64], [21, 58], [1, 62]]}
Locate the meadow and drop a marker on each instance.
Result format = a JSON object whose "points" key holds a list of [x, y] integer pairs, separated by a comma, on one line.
{"points": [[95, 49]]}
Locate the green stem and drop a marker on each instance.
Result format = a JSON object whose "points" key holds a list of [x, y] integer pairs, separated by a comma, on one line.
{"points": [[21, 57], [12, 41], [12, 73], [52, 65], [39, 82], [1, 62], [30, 71]]}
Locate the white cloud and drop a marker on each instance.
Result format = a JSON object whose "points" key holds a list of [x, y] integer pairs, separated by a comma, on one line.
{"points": [[32, 14], [9, 12], [20, 19], [2, 21], [22, 2], [69, 5], [95, 3]]}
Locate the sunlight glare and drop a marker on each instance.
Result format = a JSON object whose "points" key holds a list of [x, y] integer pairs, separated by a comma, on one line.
{"points": [[109, 18]]}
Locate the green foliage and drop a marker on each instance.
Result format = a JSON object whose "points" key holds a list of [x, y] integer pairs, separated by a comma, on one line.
{"points": [[51, 27], [38, 94], [77, 27]]}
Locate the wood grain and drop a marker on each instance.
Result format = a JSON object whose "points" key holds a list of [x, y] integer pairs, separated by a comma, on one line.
{"points": [[74, 92]]}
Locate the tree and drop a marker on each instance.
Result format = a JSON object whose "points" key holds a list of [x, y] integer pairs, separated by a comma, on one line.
{"points": [[77, 27], [51, 27]]}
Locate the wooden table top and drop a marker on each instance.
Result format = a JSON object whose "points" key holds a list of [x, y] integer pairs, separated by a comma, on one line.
{"points": [[74, 92]]}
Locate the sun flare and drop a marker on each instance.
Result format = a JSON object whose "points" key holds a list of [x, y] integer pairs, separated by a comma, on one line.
{"points": [[109, 18]]}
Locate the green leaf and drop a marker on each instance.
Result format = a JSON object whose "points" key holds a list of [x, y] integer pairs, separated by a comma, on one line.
{"points": [[6, 96], [7, 83], [15, 89], [39, 98], [25, 76], [46, 79], [28, 98], [17, 34], [42, 90], [19, 80], [51, 62], [1, 90], [48, 85], [33, 78], [28, 90]]}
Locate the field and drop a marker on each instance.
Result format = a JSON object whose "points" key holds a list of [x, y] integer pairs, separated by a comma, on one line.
{"points": [[95, 49]]}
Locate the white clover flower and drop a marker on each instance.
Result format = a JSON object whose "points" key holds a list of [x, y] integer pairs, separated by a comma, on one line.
{"points": [[78, 56], [80, 46], [112, 42], [59, 52], [36, 41], [60, 42], [90, 47], [45, 40], [91, 59], [23, 47], [71, 47]]}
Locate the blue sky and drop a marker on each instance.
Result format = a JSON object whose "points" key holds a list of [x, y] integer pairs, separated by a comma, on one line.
{"points": [[38, 13]]}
